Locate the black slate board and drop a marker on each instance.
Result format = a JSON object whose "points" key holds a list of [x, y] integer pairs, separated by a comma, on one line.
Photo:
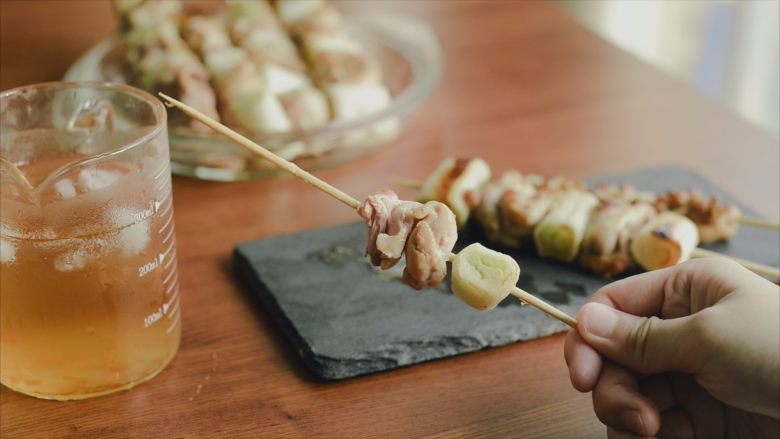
{"points": [[346, 318]]}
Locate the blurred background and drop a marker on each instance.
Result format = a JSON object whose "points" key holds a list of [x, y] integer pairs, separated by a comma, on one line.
{"points": [[728, 50]]}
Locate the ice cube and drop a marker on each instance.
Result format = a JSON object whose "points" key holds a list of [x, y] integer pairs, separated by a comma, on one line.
{"points": [[134, 238], [65, 188], [75, 260], [92, 116], [7, 251], [92, 179], [76, 253]]}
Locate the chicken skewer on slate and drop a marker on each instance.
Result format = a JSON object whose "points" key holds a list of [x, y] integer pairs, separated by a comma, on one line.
{"points": [[568, 222]]}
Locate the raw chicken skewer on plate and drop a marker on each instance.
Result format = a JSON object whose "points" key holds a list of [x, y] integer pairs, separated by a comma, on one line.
{"points": [[161, 58], [341, 66], [425, 233], [261, 82]]}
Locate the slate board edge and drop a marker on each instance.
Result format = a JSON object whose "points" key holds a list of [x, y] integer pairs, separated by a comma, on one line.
{"points": [[332, 369]]}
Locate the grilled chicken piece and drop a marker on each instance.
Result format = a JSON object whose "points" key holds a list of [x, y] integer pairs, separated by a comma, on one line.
{"points": [[509, 208], [605, 247], [429, 245], [716, 221], [521, 208], [624, 192], [450, 183], [424, 233]]}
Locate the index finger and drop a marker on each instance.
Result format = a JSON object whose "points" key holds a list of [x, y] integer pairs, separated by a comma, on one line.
{"points": [[675, 291]]}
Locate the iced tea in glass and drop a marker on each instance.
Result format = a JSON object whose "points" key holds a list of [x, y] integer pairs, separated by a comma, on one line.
{"points": [[89, 296]]}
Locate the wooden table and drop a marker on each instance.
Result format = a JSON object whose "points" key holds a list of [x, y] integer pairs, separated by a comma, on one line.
{"points": [[525, 87]]}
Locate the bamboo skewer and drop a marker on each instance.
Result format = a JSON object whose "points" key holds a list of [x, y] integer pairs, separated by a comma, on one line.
{"points": [[336, 193], [758, 222], [543, 306], [411, 183], [755, 267], [253, 147]]}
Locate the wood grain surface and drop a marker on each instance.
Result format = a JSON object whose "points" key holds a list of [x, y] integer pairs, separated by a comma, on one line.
{"points": [[524, 87]]}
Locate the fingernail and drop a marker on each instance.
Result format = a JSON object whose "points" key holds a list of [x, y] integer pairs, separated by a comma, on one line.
{"points": [[600, 320], [632, 420]]}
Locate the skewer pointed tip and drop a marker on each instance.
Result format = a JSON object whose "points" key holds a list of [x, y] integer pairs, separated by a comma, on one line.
{"points": [[169, 101]]}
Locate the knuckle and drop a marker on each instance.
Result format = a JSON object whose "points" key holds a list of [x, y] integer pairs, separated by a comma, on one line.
{"points": [[701, 326], [710, 264]]}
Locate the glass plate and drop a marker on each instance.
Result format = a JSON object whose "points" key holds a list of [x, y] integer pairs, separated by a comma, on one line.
{"points": [[409, 56]]}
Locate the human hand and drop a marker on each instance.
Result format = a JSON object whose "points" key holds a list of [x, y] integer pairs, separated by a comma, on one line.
{"points": [[687, 351]]}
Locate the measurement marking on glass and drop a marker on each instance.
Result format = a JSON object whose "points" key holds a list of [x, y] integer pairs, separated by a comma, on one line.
{"points": [[167, 305], [175, 295], [162, 186], [144, 214], [175, 308], [172, 306], [167, 208], [174, 283], [168, 236], [170, 260], [167, 223], [168, 277], [168, 250], [175, 322], [153, 317], [163, 199], [148, 267], [162, 171]]}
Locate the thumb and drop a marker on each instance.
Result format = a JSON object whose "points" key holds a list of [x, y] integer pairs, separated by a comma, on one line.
{"points": [[643, 344]]}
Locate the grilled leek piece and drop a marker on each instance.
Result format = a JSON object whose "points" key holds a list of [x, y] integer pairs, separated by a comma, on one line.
{"points": [[666, 240], [482, 278], [559, 234]]}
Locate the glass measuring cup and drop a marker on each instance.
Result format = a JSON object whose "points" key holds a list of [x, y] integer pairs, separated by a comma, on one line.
{"points": [[89, 297]]}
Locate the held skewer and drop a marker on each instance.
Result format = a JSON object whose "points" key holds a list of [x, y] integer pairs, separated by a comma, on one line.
{"points": [[545, 307], [335, 192], [253, 147]]}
